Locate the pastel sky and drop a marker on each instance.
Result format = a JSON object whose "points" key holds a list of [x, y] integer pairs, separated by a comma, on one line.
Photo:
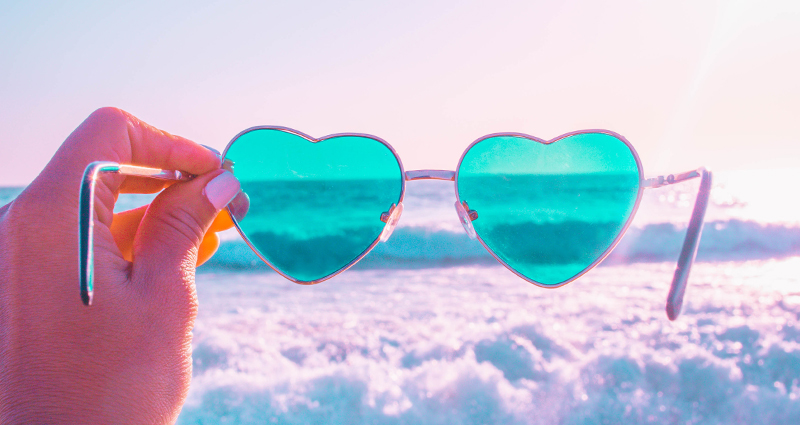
{"points": [[689, 83]]}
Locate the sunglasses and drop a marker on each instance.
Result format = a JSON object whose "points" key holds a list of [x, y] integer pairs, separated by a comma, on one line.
{"points": [[548, 210]]}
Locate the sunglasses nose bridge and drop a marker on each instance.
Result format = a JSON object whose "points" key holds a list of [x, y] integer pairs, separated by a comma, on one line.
{"points": [[391, 218], [412, 175]]}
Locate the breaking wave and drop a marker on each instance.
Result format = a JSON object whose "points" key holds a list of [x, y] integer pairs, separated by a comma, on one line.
{"points": [[421, 247]]}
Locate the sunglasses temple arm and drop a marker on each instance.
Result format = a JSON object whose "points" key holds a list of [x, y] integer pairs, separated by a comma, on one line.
{"points": [[86, 213], [690, 244]]}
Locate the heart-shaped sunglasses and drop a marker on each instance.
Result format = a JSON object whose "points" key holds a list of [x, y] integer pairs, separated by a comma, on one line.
{"points": [[548, 210]]}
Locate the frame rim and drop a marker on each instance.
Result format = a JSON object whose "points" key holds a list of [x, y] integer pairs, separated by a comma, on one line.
{"points": [[314, 140], [628, 221]]}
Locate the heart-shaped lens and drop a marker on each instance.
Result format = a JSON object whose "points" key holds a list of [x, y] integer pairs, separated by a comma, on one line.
{"points": [[315, 205], [550, 211]]}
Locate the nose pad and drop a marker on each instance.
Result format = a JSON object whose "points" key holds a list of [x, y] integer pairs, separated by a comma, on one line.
{"points": [[391, 218], [239, 206], [465, 215]]}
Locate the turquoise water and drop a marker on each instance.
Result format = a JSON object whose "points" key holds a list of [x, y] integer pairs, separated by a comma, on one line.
{"points": [[315, 207], [549, 227], [311, 229], [550, 211]]}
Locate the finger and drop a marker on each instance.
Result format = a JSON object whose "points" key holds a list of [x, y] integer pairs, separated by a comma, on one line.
{"points": [[221, 222], [142, 185], [165, 250], [151, 147], [110, 134], [124, 227], [207, 248], [126, 224]]}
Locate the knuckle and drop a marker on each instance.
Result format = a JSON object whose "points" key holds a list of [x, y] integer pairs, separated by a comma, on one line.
{"points": [[109, 114], [184, 221]]}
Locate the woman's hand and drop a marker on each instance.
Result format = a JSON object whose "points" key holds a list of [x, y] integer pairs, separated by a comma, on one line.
{"points": [[126, 359]]}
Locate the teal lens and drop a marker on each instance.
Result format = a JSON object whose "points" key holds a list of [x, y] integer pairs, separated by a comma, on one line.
{"points": [[550, 211], [315, 207]]}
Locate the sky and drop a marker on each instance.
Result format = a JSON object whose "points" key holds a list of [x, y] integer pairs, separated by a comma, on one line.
{"points": [[689, 83]]}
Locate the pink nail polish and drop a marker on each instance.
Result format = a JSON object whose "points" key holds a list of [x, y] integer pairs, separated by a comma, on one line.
{"points": [[221, 189]]}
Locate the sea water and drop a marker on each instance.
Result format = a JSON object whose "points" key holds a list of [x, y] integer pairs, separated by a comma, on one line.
{"points": [[428, 329]]}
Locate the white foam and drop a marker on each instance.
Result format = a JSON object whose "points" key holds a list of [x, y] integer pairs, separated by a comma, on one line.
{"points": [[472, 345]]}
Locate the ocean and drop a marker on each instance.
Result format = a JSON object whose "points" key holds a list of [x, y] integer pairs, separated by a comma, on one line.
{"points": [[430, 329]]}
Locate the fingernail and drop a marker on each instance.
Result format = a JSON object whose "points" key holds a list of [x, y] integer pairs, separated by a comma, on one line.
{"points": [[221, 190]]}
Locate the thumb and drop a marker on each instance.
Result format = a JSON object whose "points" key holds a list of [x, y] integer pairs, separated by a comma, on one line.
{"points": [[166, 244]]}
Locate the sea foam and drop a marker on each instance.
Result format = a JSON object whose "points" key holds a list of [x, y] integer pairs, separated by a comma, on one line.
{"points": [[477, 345]]}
